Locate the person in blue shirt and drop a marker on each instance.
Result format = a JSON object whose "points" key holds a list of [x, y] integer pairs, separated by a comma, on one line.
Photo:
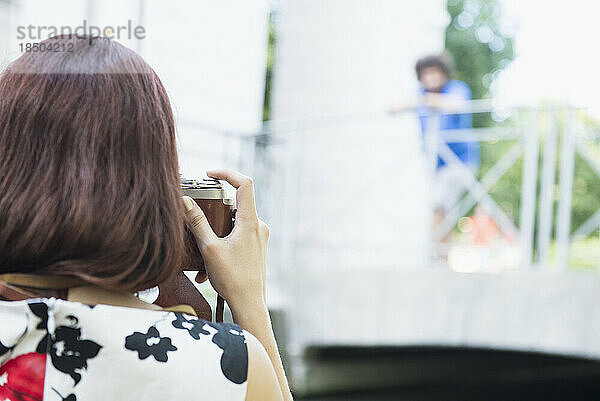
{"points": [[439, 94], [443, 95]]}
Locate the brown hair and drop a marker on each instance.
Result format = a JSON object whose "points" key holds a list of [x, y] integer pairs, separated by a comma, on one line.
{"points": [[89, 183]]}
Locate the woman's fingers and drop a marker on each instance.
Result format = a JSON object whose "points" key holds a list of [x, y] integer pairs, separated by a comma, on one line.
{"points": [[246, 208], [198, 222]]}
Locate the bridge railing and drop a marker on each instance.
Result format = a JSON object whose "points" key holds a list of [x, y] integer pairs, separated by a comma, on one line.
{"points": [[545, 141]]}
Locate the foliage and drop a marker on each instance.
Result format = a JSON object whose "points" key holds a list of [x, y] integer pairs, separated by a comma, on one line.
{"points": [[586, 193], [479, 45], [507, 191]]}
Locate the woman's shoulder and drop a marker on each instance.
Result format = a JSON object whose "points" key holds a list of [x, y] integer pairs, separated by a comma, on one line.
{"points": [[134, 346]]}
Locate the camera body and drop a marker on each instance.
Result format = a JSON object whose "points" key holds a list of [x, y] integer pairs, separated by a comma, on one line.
{"points": [[218, 209], [220, 213]]}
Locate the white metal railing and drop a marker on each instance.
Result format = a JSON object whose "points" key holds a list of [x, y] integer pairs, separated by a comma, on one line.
{"points": [[527, 137]]}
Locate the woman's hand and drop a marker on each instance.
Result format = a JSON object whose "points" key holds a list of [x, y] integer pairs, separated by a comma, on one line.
{"points": [[236, 268], [236, 264]]}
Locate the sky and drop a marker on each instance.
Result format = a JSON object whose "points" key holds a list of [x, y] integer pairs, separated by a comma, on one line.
{"points": [[557, 53]]}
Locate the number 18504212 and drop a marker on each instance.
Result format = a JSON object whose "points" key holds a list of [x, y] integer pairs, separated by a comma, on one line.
{"points": [[46, 47]]}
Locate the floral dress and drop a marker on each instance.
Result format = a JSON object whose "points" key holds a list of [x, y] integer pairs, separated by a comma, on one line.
{"points": [[52, 349]]}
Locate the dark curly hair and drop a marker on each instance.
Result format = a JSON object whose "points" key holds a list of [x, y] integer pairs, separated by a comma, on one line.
{"points": [[442, 61]]}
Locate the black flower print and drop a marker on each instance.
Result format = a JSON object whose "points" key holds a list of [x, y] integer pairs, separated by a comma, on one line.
{"points": [[229, 337], [150, 343], [70, 397], [3, 349], [40, 309], [234, 361], [68, 352], [193, 326]]}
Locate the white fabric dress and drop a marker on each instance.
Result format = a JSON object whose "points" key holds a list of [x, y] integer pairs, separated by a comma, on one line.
{"points": [[51, 349]]}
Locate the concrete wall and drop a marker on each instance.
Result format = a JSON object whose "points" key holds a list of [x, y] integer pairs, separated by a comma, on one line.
{"points": [[210, 56], [353, 181], [348, 196], [351, 56]]}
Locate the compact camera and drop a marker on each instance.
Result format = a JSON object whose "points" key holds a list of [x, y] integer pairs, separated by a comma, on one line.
{"points": [[209, 194]]}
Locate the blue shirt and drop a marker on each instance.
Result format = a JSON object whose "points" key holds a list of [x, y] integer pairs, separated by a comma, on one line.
{"points": [[467, 152]]}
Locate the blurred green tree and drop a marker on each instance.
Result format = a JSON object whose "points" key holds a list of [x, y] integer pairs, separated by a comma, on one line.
{"points": [[479, 42], [480, 49], [481, 45]]}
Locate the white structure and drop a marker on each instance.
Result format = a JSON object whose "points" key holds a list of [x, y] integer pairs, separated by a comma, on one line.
{"points": [[336, 62], [351, 56], [210, 56], [355, 207], [350, 216]]}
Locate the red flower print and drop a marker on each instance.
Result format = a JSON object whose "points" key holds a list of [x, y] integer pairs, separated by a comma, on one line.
{"points": [[22, 378]]}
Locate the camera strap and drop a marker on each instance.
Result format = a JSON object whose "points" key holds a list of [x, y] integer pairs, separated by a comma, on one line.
{"points": [[19, 287]]}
